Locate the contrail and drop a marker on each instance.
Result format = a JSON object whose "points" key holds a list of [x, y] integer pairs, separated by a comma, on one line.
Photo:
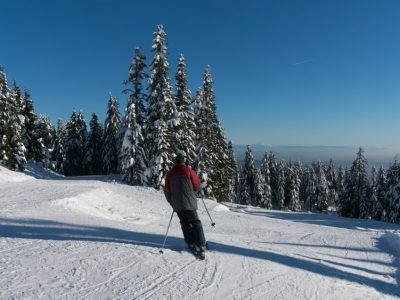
{"points": [[303, 62]]}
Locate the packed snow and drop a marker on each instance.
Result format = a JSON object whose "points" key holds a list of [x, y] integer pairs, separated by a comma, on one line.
{"points": [[96, 238]]}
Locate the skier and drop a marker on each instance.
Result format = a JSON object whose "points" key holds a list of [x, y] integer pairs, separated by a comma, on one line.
{"points": [[181, 182]]}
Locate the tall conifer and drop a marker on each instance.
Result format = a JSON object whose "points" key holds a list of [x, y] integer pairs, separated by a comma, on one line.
{"points": [[110, 154]]}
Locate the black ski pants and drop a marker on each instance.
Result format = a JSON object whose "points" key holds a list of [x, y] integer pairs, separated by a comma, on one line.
{"points": [[191, 227]]}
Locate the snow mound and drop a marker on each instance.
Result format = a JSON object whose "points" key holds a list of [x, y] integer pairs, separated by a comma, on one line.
{"points": [[220, 207], [12, 176], [106, 204], [212, 205], [37, 171]]}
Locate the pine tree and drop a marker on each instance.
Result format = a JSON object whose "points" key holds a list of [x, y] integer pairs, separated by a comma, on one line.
{"points": [[288, 176], [215, 142], [311, 187], [346, 198], [265, 172], [248, 175], [259, 190], [294, 189], [356, 202], [244, 197], [321, 188], [161, 117], [4, 114], [341, 187], [58, 154], [92, 160], [220, 178], [281, 180], [29, 126], [274, 177], [375, 206], [232, 174], [135, 102], [332, 184], [82, 129], [382, 209], [211, 145], [201, 164], [135, 79], [42, 141], [185, 130], [133, 154], [14, 148], [74, 147], [205, 119], [393, 193], [110, 153]]}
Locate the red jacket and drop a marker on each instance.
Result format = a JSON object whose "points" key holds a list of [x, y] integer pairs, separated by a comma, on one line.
{"points": [[180, 186]]}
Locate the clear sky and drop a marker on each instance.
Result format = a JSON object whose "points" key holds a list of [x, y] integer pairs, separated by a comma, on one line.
{"points": [[285, 72]]}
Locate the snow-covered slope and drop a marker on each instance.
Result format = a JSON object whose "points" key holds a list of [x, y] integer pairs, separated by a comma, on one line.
{"points": [[94, 238]]}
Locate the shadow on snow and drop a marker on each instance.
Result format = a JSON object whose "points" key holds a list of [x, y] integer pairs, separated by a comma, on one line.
{"points": [[50, 230], [321, 219]]}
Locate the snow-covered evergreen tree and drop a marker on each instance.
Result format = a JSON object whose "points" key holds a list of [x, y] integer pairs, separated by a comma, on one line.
{"points": [[332, 184], [205, 119], [248, 176], [311, 186], [110, 149], [341, 186], [221, 177], [133, 155], [185, 130], [294, 188], [161, 117], [58, 153], [135, 106], [212, 147], [375, 206], [15, 151], [281, 180], [393, 192], [202, 163], [135, 90], [274, 177], [265, 172], [321, 188], [4, 114], [356, 202], [29, 123], [259, 189], [244, 189], [232, 173], [382, 208], [92, 160], [42, 141], [82, 128], [74, 147]]}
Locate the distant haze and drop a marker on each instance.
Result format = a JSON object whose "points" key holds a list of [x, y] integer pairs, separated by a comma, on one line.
{"points": [[340, 155]]}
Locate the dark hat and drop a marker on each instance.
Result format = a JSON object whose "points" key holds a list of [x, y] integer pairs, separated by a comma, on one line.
{"points": [[180, 157]]}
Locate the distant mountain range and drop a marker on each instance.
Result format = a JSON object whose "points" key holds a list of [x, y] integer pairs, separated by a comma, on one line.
{"points": [[340, 155]]}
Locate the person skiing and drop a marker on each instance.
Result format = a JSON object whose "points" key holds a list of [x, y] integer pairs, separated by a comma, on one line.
{"points": [[181, 182]]}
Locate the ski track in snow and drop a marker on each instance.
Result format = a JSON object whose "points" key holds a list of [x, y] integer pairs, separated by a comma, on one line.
{"points": [[94, 238]]}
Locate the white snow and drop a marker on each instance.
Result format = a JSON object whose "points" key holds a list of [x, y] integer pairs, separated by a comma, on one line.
{"points": [[95, 238]]}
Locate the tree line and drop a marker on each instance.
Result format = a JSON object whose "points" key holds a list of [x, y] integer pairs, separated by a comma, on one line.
{"points": [[352, 192], [158, 121]]}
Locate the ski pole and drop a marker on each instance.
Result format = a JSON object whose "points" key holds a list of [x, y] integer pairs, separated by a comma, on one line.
{"points": [[166, 234], [212, 222]]}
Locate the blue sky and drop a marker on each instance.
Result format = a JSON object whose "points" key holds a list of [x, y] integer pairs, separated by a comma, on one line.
{"points": [[285, 72]]}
